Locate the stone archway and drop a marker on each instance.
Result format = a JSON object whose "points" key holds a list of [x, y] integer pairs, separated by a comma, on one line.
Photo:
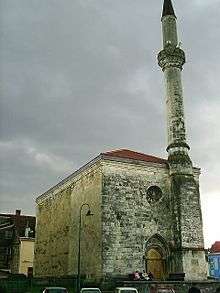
{"points": [[156, 257]]}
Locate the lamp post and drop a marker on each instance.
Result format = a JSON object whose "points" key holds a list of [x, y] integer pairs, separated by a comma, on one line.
{"points": [[89, 213]]}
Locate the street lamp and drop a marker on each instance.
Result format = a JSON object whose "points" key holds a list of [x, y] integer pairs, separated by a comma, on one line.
{"points": [[89, 213]]}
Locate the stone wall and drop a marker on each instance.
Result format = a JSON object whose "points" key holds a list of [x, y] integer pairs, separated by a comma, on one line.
{"points": [[52, 234], [188, 230], [129, 220], [195, 265], [86, 188], [56, 248]]}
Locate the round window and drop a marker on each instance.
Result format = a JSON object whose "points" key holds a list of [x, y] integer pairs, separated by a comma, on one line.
{"points": [[154, 193]]}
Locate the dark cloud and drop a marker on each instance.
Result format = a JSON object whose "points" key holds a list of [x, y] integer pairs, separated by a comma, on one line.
{"points": [[76, 75]]}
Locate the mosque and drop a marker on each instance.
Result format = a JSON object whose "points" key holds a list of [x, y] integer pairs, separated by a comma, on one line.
{"points": [[125, 211]]}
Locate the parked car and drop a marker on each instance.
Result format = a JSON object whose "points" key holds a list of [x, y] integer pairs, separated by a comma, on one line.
{"points": [[55, 290], [90, 290], [126, 290]]}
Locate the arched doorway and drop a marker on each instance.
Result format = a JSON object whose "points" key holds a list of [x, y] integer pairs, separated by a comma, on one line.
{"points": [[155, 263], [157, 257]]}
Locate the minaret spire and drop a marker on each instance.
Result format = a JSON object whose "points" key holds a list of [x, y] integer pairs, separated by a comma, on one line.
{"points": [[168, 8]]}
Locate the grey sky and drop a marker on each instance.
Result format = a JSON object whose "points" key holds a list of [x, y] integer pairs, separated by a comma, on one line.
{"points": [[79, 77]]}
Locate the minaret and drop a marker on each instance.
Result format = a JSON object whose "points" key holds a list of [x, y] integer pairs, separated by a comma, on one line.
{"points": [[188, 252], [171, 59]]}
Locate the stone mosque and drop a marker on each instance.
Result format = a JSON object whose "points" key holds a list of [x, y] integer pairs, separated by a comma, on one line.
{"points": [[146, 210]]}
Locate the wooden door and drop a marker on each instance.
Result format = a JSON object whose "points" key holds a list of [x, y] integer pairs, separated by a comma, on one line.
{"points": [[155, 263]]}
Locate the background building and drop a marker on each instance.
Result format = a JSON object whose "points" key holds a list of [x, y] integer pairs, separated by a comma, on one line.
{"points": [[214, 260], [14, 230]]}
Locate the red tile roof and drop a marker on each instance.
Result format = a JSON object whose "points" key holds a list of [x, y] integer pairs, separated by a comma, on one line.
{"points": [[127, 154], [215, 247]]}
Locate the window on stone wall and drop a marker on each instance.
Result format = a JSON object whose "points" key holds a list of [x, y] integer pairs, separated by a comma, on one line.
{"points": [[154, 193]]}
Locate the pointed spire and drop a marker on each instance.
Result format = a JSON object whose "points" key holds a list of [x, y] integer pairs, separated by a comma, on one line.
{"points": [[168, 8]]}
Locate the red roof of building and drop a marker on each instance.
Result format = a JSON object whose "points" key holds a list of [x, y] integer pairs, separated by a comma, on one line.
{"points": [[215, 247], [127, 154]]}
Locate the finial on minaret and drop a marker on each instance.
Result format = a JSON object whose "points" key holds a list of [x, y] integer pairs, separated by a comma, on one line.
{"points": [[168, 8]]}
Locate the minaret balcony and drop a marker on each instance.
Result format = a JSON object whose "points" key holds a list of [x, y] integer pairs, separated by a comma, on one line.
{"points": [[171, 56]]}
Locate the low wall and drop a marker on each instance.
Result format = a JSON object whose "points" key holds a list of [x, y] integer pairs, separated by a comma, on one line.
{"points": [[178, 286]]}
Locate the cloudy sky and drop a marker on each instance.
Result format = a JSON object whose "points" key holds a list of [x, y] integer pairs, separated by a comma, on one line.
{"points": [[79, 77]]}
